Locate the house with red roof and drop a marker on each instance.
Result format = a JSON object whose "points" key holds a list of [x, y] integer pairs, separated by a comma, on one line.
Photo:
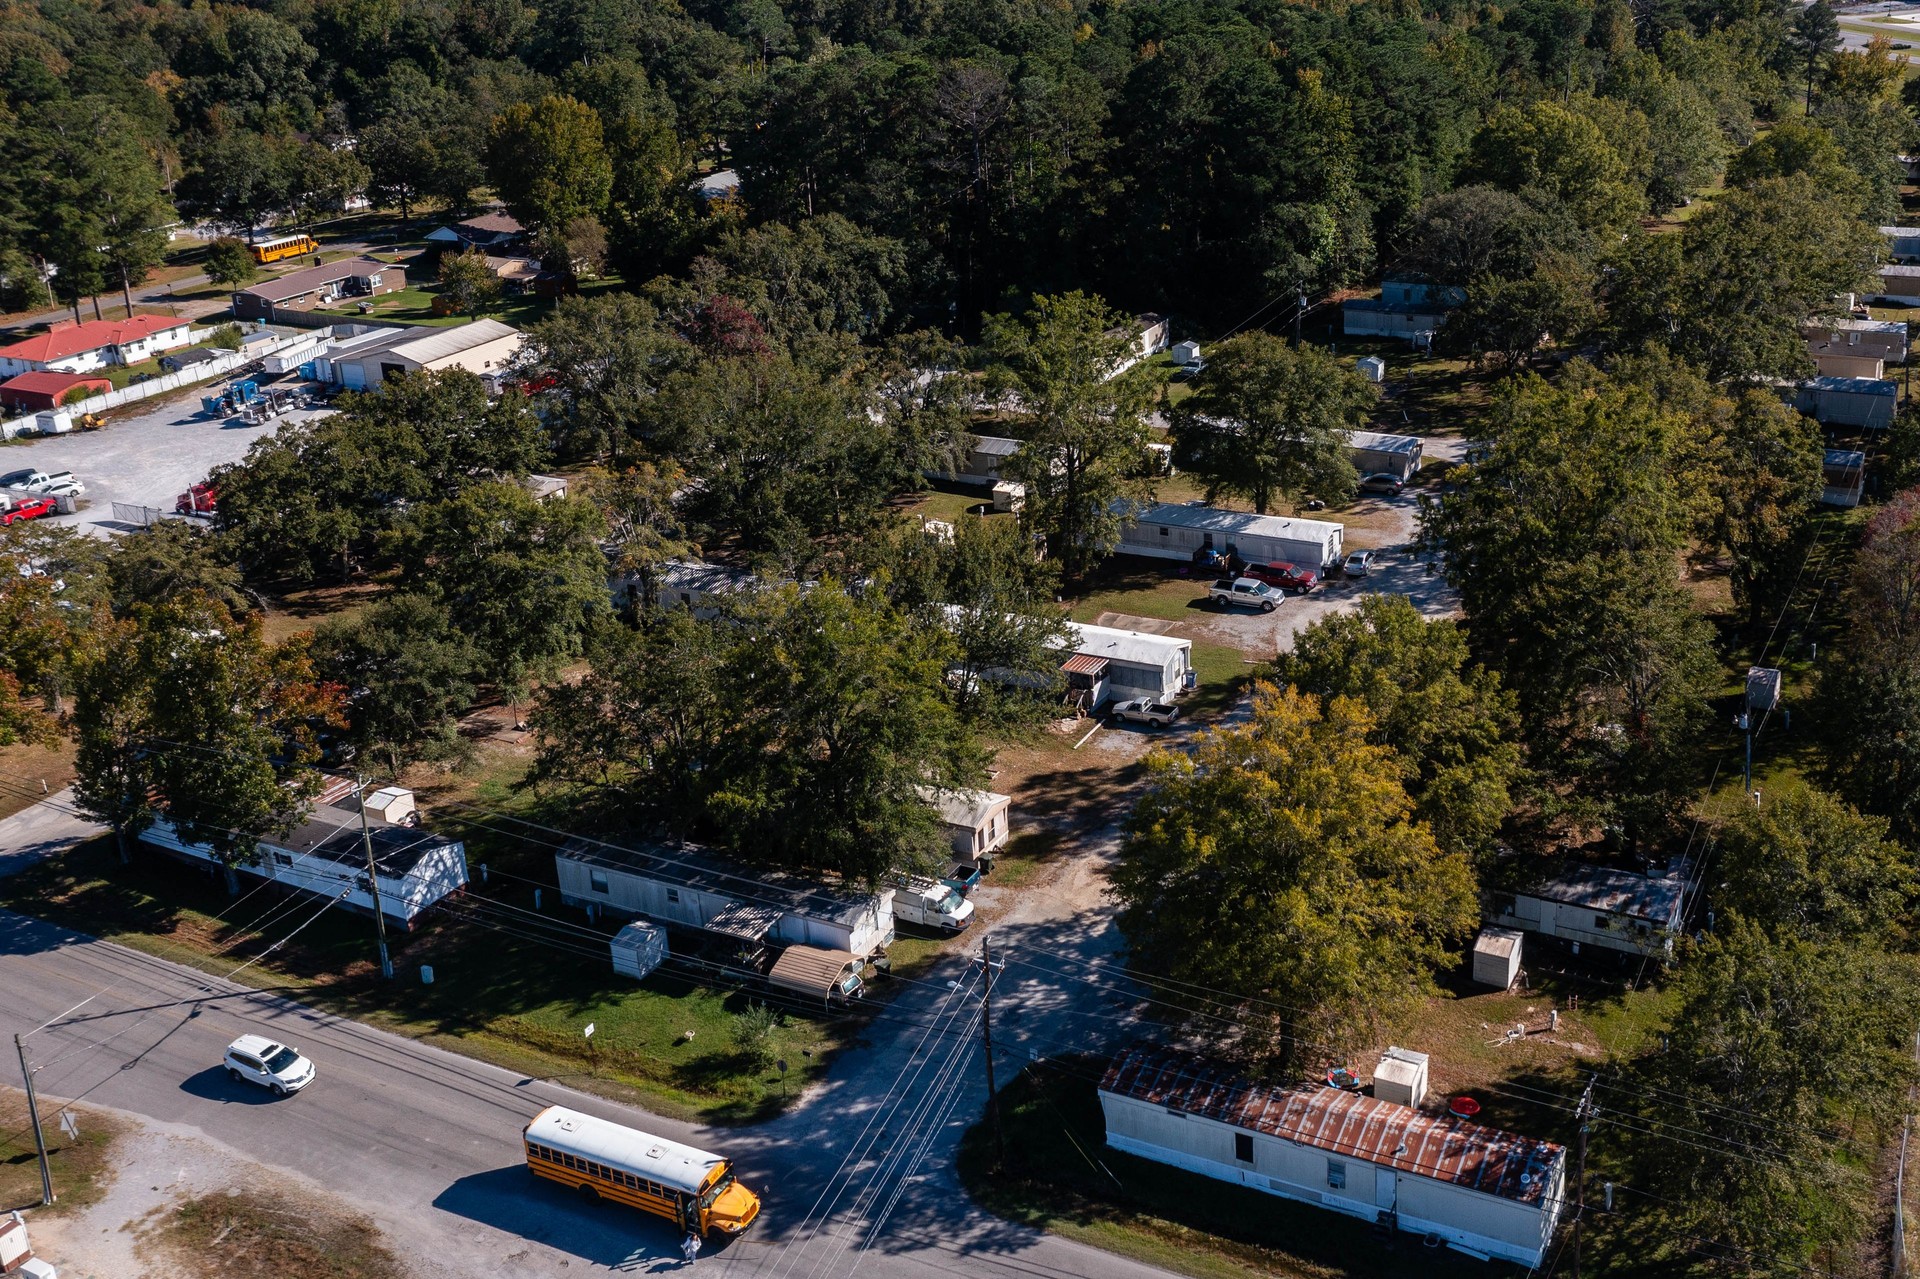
{"points": [[81, 348], [37, 392]]}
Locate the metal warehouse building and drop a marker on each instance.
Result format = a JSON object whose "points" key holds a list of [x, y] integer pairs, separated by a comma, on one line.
{"points": [[1171, 532], [1485, 1192], [687, 885]]}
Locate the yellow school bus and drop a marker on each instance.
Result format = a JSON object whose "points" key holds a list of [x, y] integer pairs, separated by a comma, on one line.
{"points": [[691, 1188], [283, 246]]}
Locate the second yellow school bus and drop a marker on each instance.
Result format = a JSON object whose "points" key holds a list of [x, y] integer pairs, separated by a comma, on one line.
{"points": [[695, 1190]]}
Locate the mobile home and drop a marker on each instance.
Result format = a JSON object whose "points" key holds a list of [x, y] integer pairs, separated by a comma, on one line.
{"points": [[690, 886], [975, 820], [1590, 905], [327, 856], [1189, 532], [1108, 664], [1485, 1192], [1375, 453]]}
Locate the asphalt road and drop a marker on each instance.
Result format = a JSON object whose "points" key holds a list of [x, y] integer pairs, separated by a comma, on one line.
{"points": [[426, 1142]]}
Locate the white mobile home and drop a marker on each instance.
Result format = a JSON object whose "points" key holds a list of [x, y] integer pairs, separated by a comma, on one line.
{"points": [[1849, 401], [690, 886], [981, 466], [1598, 906], [326, 857], [976, 820], [1374, 453], [1190, 532], [1483, 1191], [1112, 665], [1884, 338], [1899, 285]]}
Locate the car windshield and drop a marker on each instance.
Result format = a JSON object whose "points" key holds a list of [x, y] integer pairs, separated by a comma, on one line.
{"points": [[281, 1059], [949, 904]]}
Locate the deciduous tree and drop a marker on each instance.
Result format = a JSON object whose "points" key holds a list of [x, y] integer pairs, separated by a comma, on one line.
{"points": [[549, 163], [1084, 422], [1269, 422], [1279, 864], [408, 674]]}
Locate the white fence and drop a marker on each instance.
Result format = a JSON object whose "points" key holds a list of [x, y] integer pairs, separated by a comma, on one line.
{"points": [[30, 424]]}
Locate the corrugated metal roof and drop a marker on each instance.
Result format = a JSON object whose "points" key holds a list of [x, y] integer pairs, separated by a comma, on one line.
{"points": [[968, 808], [1380, 1132], [438, 344], [749, 923], [995, 445], [1498, 942], [1136, 647], [1856, 385], [1618, 892], [1085, 664], [1380, 442], [690, 866], [811, 969]]}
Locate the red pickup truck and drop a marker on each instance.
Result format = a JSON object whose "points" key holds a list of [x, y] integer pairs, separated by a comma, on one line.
{"points": [[1288, 577], [26, 508]]}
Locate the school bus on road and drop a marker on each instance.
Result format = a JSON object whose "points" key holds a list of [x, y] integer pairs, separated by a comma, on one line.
{"points": [[695, 1190], [283, 246]]}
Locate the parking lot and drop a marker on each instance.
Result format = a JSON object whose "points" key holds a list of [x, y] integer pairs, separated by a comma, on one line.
{"points": [[146, 457]]}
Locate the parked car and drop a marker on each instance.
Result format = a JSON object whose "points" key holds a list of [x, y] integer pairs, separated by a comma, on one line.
{"points": [[963, 877], [50, 482], [1246, 592], [1288, 577], [1381, 482], [26, 508], [1359, 564], [255, 1059], [1144, 710]]}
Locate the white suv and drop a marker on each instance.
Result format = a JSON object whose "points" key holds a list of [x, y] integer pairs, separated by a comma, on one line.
{"points": [[259, 1060]]}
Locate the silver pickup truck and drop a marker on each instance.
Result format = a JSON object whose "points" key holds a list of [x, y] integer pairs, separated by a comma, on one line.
{"points": [[1246, 592]]}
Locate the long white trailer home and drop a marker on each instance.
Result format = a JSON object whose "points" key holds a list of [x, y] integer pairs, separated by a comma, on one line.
{"points": [[688, 885], [325, 856], [1181, 532], [1483, 1191]]}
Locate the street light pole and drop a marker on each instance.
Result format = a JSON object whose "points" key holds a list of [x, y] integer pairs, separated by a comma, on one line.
{"points": [[373, 881], [39, 1136]]}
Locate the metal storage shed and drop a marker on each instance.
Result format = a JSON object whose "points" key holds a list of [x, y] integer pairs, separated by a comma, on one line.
{"points": [[1177, 532], [1486, 1192], [638, 948], [1844, 474], [1850, 401], [1401, 1077], [1496, 957]]}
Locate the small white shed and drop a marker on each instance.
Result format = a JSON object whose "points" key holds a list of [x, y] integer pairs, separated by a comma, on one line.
{"points": [[1372, 368], [638, 948], [1184, 352], [976, 820], [1496, 957], [1401, 1077]]}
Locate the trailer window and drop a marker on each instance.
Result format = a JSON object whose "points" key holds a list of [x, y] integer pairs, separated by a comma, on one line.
{"points": [[597, 880], [1243, 1147], [673, 894], [1336, 1174], [1602, 923]]}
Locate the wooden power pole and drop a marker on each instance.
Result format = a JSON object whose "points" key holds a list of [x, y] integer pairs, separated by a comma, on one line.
{"points": [[986, 1032], [39, 1134]]}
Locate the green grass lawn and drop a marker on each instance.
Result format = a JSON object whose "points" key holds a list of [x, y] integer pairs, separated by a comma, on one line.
{"points": [[506, 988], [81, 1168], [1060, 1176], [414, 305]]}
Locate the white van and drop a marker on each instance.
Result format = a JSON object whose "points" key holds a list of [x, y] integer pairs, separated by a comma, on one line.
{"points": [[932, 905]]}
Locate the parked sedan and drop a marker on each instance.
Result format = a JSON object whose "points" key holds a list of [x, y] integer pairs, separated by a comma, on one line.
{"points": [[1286, 576], [27, 508], [1144, 710], [1381, 482], [1359, 564]]}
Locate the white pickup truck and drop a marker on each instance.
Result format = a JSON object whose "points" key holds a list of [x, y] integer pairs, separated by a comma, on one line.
{"points": [[1246, 592], [51, 483]]}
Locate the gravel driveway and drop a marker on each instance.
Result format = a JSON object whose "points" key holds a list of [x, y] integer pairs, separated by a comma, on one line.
{"points": [[147, 457]]}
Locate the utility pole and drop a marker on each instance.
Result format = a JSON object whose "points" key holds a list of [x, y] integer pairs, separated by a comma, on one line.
{"points": [[1584, 1113], [1299, 311], [986, 1031], [373, 881], [39, 1136]]}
